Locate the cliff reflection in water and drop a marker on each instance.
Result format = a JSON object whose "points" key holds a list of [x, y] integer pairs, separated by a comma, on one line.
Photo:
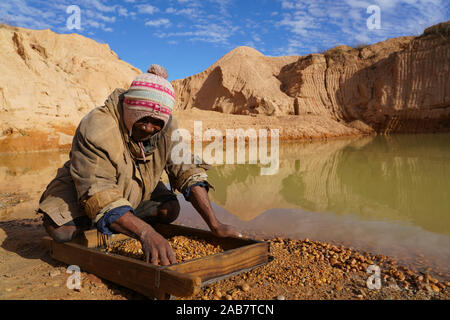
{"points": [[405, 178]]}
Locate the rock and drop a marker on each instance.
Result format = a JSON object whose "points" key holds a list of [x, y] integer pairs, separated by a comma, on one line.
{"points": [[435, 288], [281, 297], [245, 287], [433, 280], [228, 297], [54, 273]]}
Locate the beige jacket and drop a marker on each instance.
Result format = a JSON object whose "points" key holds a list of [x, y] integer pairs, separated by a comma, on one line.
{"points": [[104, 171]]}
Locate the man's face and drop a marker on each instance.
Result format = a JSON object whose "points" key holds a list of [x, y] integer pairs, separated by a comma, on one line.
{"points": [[146, 127]]}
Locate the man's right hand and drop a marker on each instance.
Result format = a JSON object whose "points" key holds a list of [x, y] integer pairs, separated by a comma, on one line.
{"points": [[156, 248]]}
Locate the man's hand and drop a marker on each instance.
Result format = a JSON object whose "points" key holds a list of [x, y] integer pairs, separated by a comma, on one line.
{"points": [[156, 247], [153, 244], [224, 230], [200, 200]]}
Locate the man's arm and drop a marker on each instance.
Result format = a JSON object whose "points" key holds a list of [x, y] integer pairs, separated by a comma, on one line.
{"points": [[153, 244], [200, 201]]}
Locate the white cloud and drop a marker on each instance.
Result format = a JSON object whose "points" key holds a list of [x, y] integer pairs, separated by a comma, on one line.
{"points": [[122, 12], [147, 9], [102, 7], [163, 22], [299, 23], [188, 12], [212, 33]]}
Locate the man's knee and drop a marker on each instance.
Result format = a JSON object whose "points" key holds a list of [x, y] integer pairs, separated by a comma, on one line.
{"points": [[169, 211]]}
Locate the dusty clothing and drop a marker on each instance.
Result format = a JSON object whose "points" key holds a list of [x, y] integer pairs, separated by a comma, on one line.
{"points": [[106, 171]]}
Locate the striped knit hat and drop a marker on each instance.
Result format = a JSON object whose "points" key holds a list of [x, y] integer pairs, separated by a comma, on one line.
{"points": [[150, 94]]}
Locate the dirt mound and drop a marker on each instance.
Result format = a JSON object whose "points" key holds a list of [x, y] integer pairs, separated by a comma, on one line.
{"points": [[243, 81], [49, 81]]}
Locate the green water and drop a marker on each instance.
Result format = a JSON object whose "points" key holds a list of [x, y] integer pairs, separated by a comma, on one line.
{"points": [[402, 178]]}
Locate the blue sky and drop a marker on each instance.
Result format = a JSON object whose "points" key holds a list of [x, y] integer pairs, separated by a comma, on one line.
{"points": [[187, 36]]}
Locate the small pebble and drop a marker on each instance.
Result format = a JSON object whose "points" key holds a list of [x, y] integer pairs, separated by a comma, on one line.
{"points": [[281, 297], [435, 288], [54, 273], [245, 287]]}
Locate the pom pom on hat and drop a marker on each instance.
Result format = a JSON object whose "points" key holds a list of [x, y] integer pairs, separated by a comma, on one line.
{"points": [[158, 70]]}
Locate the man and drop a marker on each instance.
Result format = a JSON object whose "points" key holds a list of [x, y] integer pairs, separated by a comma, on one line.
{"points": [[112, 180]]}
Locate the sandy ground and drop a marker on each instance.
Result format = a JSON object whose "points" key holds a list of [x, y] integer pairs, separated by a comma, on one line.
{"points": [[300, 269], [306, 127]]}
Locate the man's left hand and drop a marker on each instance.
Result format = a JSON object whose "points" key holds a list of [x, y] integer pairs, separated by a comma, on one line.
{"points": [[224, 230]]}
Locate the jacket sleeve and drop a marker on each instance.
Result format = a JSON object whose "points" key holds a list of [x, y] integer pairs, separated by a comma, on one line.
{"points": [[94, 172], [184, 175]]}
